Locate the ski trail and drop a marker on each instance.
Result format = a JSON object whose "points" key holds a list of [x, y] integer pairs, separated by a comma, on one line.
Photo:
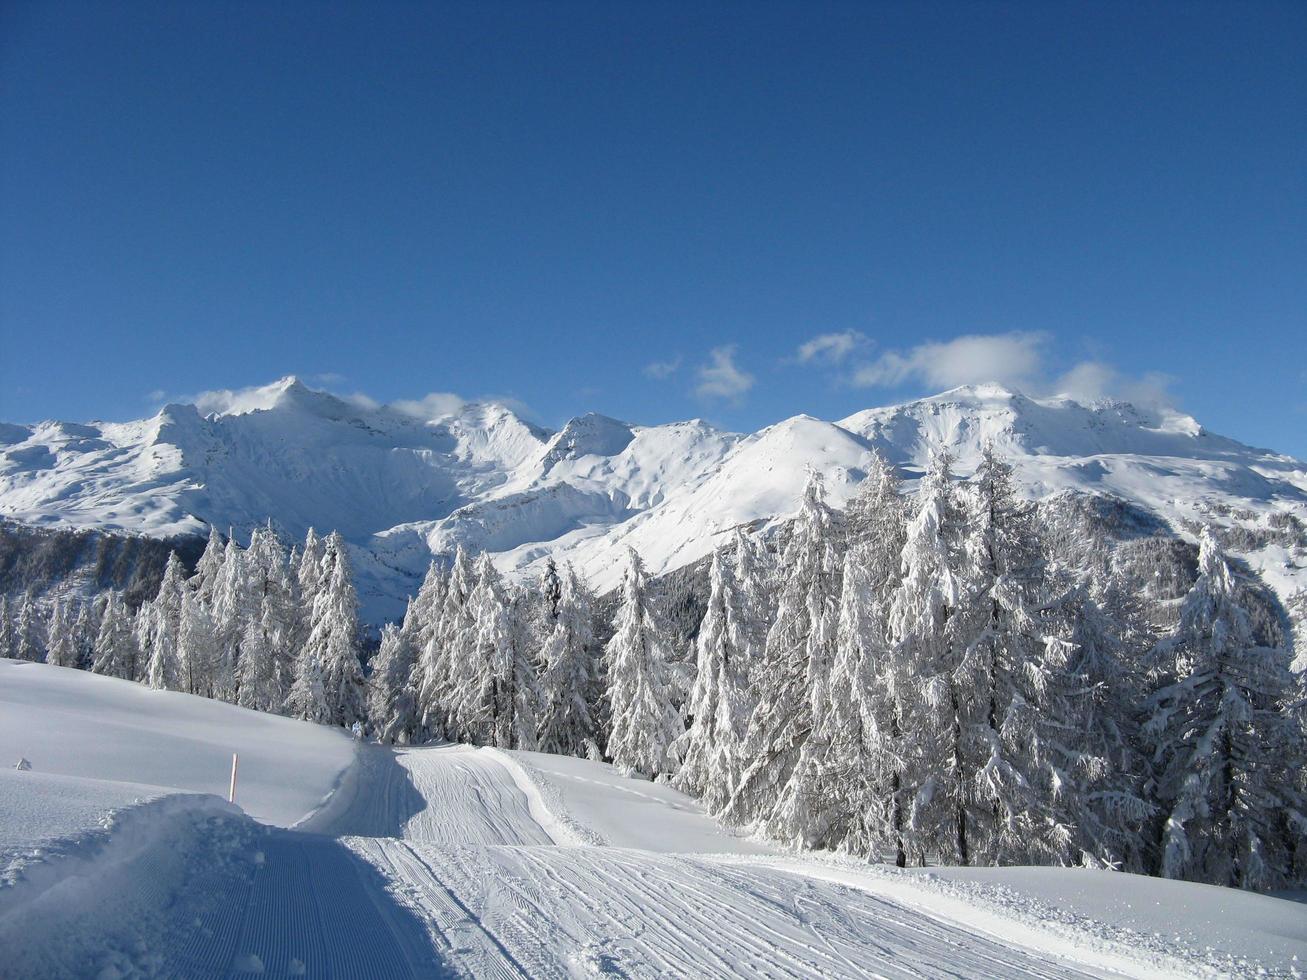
{"points": [[554, 911], [427, 863]]}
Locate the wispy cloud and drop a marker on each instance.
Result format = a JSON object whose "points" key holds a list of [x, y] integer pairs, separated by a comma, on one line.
{"points": [[433, 405], [831, 348], [662, 370], [1007, 358], [721, 377], [1016, 360]]}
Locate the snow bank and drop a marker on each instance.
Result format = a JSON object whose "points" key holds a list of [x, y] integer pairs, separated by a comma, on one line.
{"points": [[74, 723], [105, 908], [595, 804]]}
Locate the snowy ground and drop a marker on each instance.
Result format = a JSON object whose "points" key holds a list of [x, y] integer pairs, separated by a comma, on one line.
{"points": [[452, 861]]}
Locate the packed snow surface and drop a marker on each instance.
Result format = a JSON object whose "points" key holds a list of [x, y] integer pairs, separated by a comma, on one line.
{"points": [[456, 861], [74, 723], [402, 488]]}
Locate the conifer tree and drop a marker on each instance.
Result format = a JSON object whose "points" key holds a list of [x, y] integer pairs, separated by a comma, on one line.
{"points": [[922, 621], [391, 706], [8, 646], [1227, 754], [792, 680], [27, 631], [117, 653], [871, 694], [447, 644], [1003, 678], [61, 648], [719, 704], [644, 723], [567, 724], [160, 622], [328, 684], [198, 652]]}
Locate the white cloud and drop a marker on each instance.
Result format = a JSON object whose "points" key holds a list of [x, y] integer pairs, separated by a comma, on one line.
{"points": [[831, 348], [662, 370], [1014, 359], [238, 401], [721, 377], [433, 405], [1091, 381], [157, 396]]}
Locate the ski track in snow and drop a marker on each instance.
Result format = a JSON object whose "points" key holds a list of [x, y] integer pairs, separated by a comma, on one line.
{"points": [[428, 863], [432, 865]]}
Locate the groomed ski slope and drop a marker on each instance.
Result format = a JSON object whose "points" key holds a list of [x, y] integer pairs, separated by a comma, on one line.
{"points": [[456, 861]]}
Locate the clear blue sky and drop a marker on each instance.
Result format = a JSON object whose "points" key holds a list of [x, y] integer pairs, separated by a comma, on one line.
{"points": [[575, 205]]}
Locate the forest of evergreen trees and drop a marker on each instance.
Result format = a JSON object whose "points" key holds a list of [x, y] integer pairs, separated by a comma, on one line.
{"points": [[917, 678]]}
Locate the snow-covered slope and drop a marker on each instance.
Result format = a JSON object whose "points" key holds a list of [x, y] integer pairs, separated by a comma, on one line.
{"points": [[451, 860], [402, 489], [124, 740]]}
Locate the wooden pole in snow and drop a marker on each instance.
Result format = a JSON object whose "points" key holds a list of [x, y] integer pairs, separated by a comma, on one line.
{"points": [[231, 793]]}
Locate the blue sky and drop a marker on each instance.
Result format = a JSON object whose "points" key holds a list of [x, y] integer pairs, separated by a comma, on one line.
{"points": [[650, 209]]}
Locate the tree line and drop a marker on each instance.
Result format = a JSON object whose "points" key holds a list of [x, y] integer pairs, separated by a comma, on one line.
{"points": [[915, 678]]}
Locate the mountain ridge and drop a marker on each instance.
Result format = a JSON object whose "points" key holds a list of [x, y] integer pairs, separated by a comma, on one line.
{"points": [[404, 487]]}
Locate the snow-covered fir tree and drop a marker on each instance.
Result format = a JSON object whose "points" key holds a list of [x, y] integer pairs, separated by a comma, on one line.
{"points": [[209, 566], [8, 647], [85, 628], [791, 681], [28, 643], [1092, 739], [870, 693], [921, 620], [568, 681], [1003, 673], [159, 622], [328, 685], [391, 704], [61, 650], [1226, 752], [265, 666], [117, 653], [448, 642], [495, 697], [198, 651], [644, 722], [719, 699]]}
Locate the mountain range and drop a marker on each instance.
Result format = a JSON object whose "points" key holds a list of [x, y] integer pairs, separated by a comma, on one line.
{"points": [[404, 489]]}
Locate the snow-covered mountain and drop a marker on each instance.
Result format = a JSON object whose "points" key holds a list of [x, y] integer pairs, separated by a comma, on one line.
{"points": [[402, 489]]}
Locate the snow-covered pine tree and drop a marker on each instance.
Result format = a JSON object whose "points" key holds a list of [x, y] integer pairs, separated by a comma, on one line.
{"points": [[1226, 753], [208, 568], [1091, 736], [234, 605], [567, 725], [921, 621], [496, 697], [644, 723], [197, 647], [8, 648], [870, 694], [159, 623], [719, 703], [117, 653], [1003, 676], [85, 628], [446, 646], [391, 707], [266, 664], [308, 570], [791, 680], [328, 684], [61, 645], [28, 644], [422, 619]]}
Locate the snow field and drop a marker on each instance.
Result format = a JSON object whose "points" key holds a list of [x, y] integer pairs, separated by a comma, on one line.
{"points": [[75, 723]]}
